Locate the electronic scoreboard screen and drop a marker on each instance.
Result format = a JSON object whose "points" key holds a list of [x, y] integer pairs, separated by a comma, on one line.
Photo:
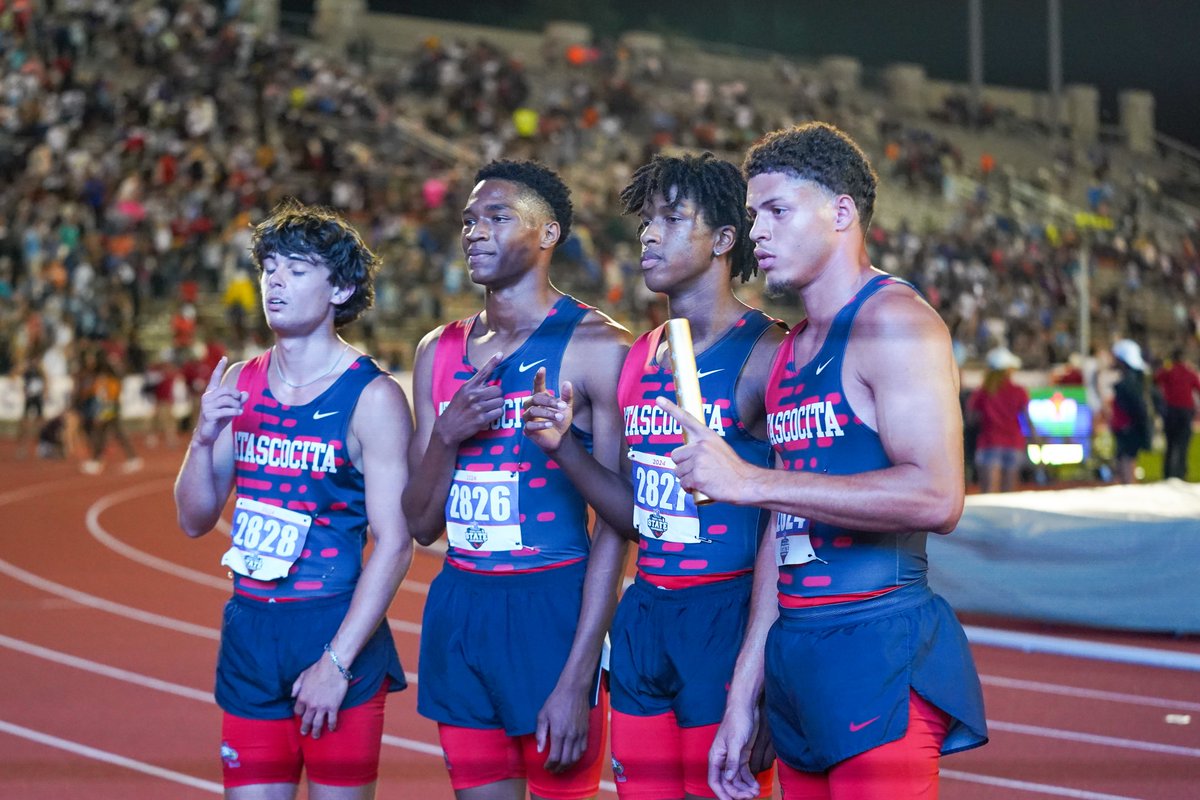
{"points": [[1063, 420]]}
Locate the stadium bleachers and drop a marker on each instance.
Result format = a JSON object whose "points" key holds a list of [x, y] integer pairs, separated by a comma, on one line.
{"points": [[130, 188]]}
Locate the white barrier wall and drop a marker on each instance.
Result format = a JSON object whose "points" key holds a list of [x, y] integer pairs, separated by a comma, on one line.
{"points": [[135, 404], [1122, 557]]}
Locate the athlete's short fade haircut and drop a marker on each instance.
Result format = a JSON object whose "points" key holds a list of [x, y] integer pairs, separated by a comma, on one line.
{"points": [[715, 186], [542, 181], [822, 153], [320, 235]]}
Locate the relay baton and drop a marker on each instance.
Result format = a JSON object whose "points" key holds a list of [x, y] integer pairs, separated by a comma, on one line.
{"points": [[687, 382]]}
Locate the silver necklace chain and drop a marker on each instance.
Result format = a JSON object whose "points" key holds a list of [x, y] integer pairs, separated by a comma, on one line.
{"points": [[325, 374]]}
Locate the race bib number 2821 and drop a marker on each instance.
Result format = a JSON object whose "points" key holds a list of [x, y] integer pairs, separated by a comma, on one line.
{"points": [[662, 509]]}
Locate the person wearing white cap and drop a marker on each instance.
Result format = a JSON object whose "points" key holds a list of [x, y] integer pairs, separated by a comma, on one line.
{"points": [[1129, 417], [1000, 410]]}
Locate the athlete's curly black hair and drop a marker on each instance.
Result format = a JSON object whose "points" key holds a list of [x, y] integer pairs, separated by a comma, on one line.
{"points": [[321, 235], [715, 186], [542, 181], [822, 153]]}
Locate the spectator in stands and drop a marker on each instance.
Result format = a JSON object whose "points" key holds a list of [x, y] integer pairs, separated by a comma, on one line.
{"points": [[999, 410], [33, 390], [1179, 384], [1129, 416], [125, 192], [106, 399], [160, 386], [241, 303]]}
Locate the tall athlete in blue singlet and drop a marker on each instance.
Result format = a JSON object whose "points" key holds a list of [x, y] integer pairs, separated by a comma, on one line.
{"points": [[311, 436], [510, 645], [679, 626], [867, 673]]}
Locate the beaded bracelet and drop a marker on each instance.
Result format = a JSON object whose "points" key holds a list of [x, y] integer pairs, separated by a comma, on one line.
{"points": [[333, 657]]}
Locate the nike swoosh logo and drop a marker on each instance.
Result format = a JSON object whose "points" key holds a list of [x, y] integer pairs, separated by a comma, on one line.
{"points": [[855, 727], [820, 369], [526, 367], [323, 414], [700, 375]]}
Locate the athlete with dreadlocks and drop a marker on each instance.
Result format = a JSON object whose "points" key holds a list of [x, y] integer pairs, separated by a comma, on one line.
{"points": [[510, 643], [678, 627]]}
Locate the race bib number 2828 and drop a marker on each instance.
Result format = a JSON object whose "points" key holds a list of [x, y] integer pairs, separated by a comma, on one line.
{"points": [[267, 539]]}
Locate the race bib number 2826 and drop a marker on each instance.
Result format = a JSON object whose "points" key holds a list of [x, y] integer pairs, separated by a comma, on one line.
{"points": [[482, 511]]}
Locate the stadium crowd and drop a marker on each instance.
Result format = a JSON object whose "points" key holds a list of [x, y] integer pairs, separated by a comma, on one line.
{"points": [[138, 141]]}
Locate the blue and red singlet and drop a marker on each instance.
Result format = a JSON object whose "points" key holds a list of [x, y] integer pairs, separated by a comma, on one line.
{"points": [[300, 519], [813, 428], [510, 508], [682, 545]]}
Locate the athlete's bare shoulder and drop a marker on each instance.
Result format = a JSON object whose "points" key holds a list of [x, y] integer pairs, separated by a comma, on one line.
{"points": [[384, 391], [899, 339], [593, 358], [601, 326], [431, 338], [898, 310], [752, 383], [230, 378]]}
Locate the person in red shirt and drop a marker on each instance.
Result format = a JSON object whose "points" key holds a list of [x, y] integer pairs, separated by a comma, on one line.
{"points": [[1179, 384], [1000, 410]]}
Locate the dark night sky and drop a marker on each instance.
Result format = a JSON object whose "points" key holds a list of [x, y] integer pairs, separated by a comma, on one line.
{"points": [[1112, 44]]}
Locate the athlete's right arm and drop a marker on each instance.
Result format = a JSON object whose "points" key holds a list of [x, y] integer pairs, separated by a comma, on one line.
{"points": [[547, 420], [729, 774], [434, 447], [206, 477]]}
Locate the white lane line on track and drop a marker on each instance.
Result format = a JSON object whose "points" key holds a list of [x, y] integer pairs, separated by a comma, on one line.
{"points": [[36, 490], [1027, 685], [99, 603], [109, 758], [1054, 645], [1092, 738], [431, 749], [100, 534], [147, 682], [1089, 694], [96, 668], [404, 626], [128, 612], [1028, 786], [1082, 648]]}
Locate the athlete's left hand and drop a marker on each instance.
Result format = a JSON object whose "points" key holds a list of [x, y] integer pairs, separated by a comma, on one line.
{"points": [[729, 774], [319, 692], [706, 463], [546, 418], [562, 728]]}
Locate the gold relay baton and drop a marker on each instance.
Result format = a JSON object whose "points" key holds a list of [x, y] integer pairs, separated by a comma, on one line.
{"points": [[687, 382]]}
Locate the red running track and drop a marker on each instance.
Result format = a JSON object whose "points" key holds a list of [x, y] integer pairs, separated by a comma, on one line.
{"points": [[108, 637]]}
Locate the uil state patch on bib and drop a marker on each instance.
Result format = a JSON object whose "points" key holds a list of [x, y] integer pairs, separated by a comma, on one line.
{"points": [[792, 545], [267, 540], [482, 511]]}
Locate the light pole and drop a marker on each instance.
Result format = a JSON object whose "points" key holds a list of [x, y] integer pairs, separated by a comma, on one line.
{"points": [[975, 56], [1054, 65]]}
